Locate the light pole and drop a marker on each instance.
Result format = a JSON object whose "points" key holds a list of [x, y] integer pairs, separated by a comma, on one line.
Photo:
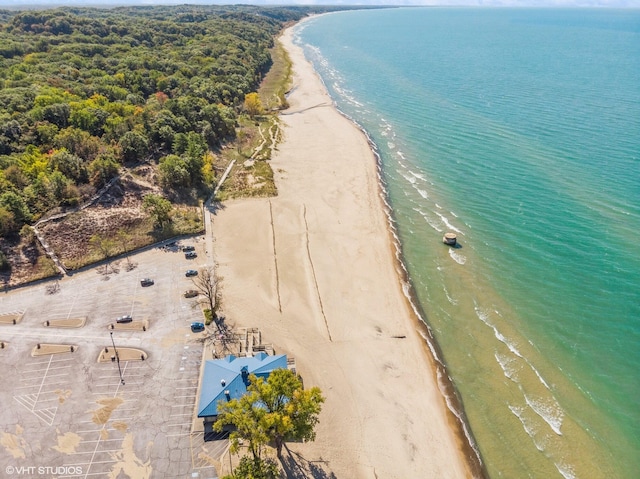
{"points": [[117, 358]]}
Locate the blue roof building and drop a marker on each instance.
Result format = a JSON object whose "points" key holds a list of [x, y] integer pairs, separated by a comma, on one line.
{"points": [[228, 378]]}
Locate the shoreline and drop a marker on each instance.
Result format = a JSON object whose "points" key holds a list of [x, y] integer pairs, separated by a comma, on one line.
{"points": [[458, 419], [321, 274], [450, 394]]}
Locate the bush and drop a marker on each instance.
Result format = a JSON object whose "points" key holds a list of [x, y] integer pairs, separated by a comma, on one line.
{"points": [[208, 317], [255, 469], [4, 262]]}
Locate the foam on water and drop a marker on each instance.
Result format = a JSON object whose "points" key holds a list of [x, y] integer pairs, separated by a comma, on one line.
{"points": [[549, 410], [457, 257], [419, 176], [446, 222], [537, 373], [566, 470], [449, 298], [507, 366], [528, 426]]}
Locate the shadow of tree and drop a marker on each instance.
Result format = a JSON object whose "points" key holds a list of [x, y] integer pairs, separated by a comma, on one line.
{"points": [[295, 466], [215, 206]]}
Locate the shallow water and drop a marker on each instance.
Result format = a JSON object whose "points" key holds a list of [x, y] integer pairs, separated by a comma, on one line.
{"points": [[519, 130]]}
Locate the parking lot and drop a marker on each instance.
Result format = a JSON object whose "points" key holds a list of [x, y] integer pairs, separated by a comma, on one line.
{"points": [[67, 414]]}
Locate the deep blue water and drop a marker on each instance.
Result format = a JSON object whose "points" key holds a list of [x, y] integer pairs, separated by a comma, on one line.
{"points": [[518, 129]]}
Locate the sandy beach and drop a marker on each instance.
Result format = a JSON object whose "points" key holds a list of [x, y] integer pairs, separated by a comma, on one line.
{"points": [[315, 270]]}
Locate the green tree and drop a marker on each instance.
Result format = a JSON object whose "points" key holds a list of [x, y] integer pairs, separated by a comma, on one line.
{"points": [[159, 208], [173, 172], [276, 410], [4, 262], [250, 468], [28, 234], [78, 142], [102, 169], [7, 221], [69, 165], [134, 146], [17, 206]]}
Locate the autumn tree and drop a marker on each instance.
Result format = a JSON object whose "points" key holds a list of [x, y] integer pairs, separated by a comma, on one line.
{"points": [[276, 410], [253, 105]]}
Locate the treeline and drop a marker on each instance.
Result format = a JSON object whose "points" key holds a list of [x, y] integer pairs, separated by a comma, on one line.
{"points": [[85, 91]]}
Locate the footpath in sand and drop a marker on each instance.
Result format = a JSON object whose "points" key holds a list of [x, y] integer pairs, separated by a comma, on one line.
{"points": [[315, 270]]}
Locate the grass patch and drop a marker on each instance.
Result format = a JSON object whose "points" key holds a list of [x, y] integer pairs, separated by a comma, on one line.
{"points": [[251, 179], [258, 137], [277, 81], [77, 246]]}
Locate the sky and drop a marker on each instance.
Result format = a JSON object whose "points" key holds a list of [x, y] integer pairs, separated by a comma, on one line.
{"points": [[492, 3]]}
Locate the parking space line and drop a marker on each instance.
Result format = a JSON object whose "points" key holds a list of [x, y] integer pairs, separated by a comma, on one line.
{"points": [[69, 366], [45, 374], [57, 375], [108, 385], [101, 440]]}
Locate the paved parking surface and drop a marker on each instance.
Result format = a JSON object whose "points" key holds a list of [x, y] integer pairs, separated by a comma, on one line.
{"points": [[68, 415]]}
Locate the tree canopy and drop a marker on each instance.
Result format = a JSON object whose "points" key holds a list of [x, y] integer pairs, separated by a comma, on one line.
{"points": [[276, 410], [85, 92]]}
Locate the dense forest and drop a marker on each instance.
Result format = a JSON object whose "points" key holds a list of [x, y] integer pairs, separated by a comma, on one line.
{"points": [[87, 93]]}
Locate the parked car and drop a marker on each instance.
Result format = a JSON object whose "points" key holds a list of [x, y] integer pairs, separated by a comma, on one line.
{"points": [[190, 254], [197, 327], [188, 248], [124, 319], [146, 282], [191, 272], [191, 293]]}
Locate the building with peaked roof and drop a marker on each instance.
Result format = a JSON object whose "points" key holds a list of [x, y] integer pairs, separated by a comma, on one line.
{"points": [[226, 379]]}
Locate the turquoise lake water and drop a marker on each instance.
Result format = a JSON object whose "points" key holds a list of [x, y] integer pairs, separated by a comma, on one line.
{"points": [[519, 130]]}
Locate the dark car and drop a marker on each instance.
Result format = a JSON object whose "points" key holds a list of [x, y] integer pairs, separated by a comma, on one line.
{"points": [[188, 248], [191, 272], [124, 319], [190, 254], [146, 282], [190, 293], [197, 327]]}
